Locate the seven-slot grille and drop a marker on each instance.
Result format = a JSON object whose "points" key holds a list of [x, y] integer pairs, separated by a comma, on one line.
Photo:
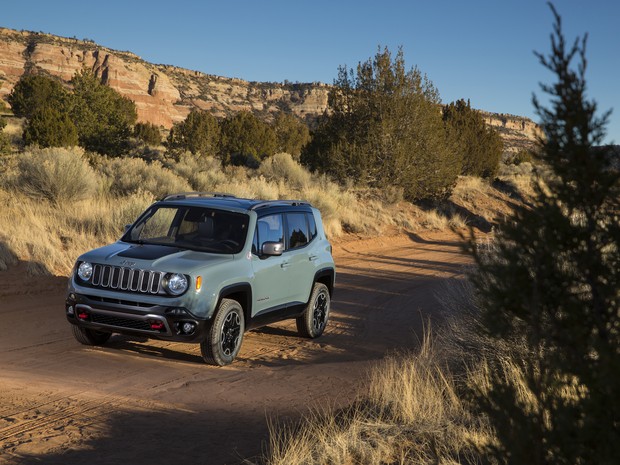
{"points": [[127, 279]]}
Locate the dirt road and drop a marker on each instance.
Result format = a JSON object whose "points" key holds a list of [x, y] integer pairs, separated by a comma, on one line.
{"points": [[148, 402]]}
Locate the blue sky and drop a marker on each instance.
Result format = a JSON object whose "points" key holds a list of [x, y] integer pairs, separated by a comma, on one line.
{"points": [[477, 49]]}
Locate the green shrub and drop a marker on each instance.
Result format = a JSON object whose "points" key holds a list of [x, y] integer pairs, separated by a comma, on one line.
{"points": [[33, 92], [383, 129], [147, 133], [479, 145], [199, 134], [55, 174], [246, 140], [292, 134], [5, 142], [48, 127], [102, 116]]}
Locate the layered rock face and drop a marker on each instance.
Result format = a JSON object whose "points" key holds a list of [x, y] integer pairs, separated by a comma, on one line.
{"points": [[518, 133], [165, 94]]}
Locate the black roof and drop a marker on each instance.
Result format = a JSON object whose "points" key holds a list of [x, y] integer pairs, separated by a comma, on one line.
{"points": [[228, 201]]}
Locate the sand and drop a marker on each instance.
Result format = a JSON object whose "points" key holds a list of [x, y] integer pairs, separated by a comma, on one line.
{"points": [[150, 402]]}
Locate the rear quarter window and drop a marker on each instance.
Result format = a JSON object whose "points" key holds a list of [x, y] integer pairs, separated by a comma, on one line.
{"points": [[297, 230]]}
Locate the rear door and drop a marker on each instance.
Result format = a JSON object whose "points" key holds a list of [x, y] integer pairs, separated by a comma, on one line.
{"points": [[299, 260]]}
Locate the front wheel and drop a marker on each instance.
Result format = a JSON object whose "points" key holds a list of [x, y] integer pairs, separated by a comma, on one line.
{"points": [[314, 318], [89, 337], [223, 340]]}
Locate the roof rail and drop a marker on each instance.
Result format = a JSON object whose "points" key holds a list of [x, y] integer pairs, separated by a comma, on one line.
{"points": [[268, 203], [185, 195]]}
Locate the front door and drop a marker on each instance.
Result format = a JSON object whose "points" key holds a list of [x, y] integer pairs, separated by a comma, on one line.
{"points": [[270, 287]]}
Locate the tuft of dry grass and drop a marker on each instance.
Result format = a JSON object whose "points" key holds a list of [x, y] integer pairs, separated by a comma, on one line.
{"points": [[50, 237], [55, 174], [410, 413], [128, 176]]}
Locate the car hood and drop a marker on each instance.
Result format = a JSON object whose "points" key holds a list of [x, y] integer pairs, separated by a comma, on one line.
{"points": [[153, 257]]}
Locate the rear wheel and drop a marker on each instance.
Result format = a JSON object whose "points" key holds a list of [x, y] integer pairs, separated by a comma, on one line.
{"points": [[314, 319], [223, 340], [89, 337]]}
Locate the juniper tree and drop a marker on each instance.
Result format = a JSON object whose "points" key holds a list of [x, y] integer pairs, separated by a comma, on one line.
{"points": [[198, 133], [480, 146], [384, 128], [554, 282]]}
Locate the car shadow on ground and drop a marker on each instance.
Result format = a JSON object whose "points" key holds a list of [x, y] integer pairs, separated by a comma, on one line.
{"points": [[158, 437]]}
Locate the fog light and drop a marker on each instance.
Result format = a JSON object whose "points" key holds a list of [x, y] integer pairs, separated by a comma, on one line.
{"points": [[70, 310], [188, 328]]}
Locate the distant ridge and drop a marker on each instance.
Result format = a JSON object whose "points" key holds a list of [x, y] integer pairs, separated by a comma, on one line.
{"points": [[165, 94]]}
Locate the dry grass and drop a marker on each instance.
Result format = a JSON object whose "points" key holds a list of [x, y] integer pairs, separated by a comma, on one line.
{"points": [[50, 234], [519, 177], [50, 237], [59, 175], [411, 413]]}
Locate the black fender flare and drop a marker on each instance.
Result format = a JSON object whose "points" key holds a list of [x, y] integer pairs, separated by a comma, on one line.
{"points": [[242, 293], [326, 276]]}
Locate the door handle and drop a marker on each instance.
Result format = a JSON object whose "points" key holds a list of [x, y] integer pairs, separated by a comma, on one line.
{"points": [[313, 257], [285, 265]]}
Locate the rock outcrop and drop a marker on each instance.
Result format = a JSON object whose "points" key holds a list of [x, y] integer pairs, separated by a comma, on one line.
{"points": [[165, 94]]}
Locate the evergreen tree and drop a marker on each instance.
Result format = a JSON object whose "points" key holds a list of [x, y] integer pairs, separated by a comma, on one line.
{"points": [[480, 146], [246, 140], [199, 133], [48, 127], [33, 92], [292, 134], [5, 143], [102, 116], [147, 133], [555, 282], [383, 128]]}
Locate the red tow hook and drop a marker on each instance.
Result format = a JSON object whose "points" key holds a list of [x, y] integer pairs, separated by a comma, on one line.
{"points": [[83, 316], [157, 325]]}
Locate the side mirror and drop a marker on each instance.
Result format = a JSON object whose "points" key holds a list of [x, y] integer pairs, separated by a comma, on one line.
{"points": [[272, 249]]}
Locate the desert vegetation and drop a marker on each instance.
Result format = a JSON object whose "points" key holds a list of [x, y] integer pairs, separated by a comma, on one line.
{"points": [[523, 368], [81, 149], [385, 129], [74, 200]]}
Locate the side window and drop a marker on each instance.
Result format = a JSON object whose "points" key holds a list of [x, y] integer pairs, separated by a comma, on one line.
{"points": [[297, 230], [311, 225], [268, 229]]}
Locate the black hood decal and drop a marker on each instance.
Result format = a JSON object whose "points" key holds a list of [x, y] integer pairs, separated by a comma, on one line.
{"points": [[148, 251]]}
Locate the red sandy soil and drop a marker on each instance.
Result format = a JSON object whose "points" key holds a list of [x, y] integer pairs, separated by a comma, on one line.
{"points": [[151, 402]]}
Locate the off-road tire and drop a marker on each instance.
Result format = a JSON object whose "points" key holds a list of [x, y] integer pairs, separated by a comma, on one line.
{"points": [[314, 318], [89, 337], [225, 335]]}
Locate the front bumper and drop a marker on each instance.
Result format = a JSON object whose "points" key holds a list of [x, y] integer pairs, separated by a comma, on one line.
{"points": [[135, 318]]}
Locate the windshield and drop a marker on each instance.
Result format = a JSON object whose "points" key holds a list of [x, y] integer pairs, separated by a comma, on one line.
{"points": [[194, 228]]}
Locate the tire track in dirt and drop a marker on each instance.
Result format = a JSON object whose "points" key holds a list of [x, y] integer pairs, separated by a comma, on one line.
{"points": [[62, 403]]}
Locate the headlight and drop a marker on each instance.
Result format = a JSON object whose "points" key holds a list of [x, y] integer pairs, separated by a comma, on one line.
{"points": [[175, 284], [85, 271]]}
